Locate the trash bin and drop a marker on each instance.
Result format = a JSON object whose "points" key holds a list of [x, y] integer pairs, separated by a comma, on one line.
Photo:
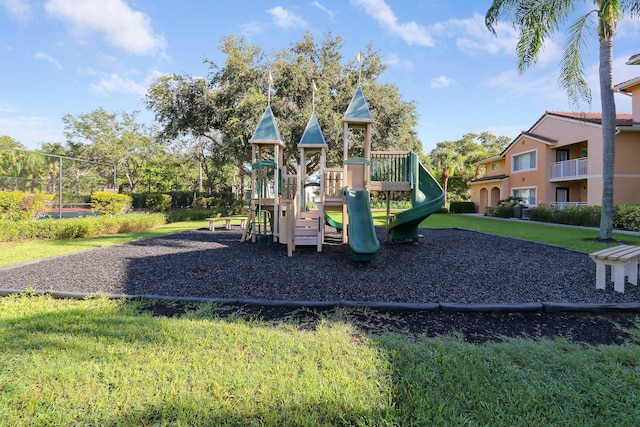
{"points": [[525, 213], [517, 212]]}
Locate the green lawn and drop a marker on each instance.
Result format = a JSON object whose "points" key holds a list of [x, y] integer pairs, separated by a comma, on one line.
{"points": [[107, 362], [102, 362], [15, 253]]}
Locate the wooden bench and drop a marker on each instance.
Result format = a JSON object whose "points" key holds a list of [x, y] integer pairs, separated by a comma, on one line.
{"points": [[623, 260], [227, 221]]}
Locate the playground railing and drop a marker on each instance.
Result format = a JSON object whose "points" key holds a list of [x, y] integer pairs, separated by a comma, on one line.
{"points": [[333, 182], [390, 166], [289, 186]]}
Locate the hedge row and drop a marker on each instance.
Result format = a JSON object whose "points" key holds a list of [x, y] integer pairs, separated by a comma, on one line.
{"points": [[71, 228], [625, 217], [186, 199], [17, 205]]}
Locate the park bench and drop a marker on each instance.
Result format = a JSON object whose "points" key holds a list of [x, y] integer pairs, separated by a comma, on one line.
{"points": [[227, 222], [623, 260]]}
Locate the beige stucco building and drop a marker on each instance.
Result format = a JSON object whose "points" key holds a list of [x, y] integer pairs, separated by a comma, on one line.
{"points": [[559, 160]]}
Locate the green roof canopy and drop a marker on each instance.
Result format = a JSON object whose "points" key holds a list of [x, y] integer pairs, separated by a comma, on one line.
{"points": [[358, 110], [312, 136], [267, 130]]}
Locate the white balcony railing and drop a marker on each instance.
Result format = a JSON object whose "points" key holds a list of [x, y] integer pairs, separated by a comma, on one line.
{"points": [[569, 168], [562, 205]]}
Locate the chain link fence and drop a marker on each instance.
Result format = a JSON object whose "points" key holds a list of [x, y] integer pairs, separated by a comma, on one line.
{"points": [[69, 180]]}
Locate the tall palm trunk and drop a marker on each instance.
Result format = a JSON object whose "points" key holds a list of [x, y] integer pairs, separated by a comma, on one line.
{"points": [[608, 136]]}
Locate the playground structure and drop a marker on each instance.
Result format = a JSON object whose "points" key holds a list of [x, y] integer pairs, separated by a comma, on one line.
{"points": [[280, 206]]}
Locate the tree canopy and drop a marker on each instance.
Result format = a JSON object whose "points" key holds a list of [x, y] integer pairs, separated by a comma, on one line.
{"points": [[227, 105]]}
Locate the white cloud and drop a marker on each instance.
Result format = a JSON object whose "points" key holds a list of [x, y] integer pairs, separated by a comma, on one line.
{"points": [[396, 61], [18, 9], [411, 32], [513, 87], [7, 107], [32, 130], [628, 29], [114, 83], [441, 81], [113, 19], [46, 58], [251, 28], [323, 8], [473, 38], [284, 18]]}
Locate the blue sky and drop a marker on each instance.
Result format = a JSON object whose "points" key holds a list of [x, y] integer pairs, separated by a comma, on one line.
{"points": [[73, 56]]}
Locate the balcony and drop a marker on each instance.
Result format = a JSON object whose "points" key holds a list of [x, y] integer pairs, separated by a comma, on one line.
{"points": [[562, 205], [576, 168]]}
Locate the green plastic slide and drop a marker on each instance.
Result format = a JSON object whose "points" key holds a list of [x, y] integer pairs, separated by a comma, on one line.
{"points": [[332, 222], [362, 233], [427, 197]]}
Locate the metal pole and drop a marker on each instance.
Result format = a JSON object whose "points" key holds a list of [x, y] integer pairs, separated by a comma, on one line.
{"points": [[60, 189]]}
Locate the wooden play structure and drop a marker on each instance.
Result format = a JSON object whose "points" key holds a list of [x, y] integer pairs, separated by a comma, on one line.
{"points": [[281, 206]]}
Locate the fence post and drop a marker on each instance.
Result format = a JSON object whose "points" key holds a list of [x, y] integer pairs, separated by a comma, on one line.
{"points": [[60, 188]]}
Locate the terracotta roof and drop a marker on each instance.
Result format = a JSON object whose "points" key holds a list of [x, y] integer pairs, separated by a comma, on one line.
{"points": [[540, 137], [490, 178], [622, 119], [626, 85], [634, 59]]}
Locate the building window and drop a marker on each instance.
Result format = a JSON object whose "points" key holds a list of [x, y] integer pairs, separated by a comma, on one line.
{"points": [[495, 166], [524, 161], [526, 194]]}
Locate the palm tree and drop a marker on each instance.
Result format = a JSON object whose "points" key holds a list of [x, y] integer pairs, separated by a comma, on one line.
{"points": [[446, 161], [538, 19]]}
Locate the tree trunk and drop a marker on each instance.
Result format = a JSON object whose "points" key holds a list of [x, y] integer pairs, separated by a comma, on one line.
{"points": [[608, 136]]}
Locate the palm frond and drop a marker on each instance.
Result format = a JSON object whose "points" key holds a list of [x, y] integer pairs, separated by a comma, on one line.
{"points": [[572, 77], [630, 8]]}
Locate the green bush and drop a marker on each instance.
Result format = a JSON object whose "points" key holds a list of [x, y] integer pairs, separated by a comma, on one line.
{"points": [[586, 216], [200, 203], [542, 213], [71, 228], [17, 205], [504, 211], [626, 217], [158, 202], [462, 207], [110, 203]]}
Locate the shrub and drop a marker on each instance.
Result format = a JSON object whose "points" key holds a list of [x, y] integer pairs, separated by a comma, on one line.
{"points": [[200, 203], [586, 216], [626, 217], [462, 207], [158, 202], [542, 213], [17, 205], [110, 203], [504, 211], [71, 228]]}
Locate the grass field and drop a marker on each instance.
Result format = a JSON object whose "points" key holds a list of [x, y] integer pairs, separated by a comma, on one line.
{"points": [[102, 362], [106, 362]]}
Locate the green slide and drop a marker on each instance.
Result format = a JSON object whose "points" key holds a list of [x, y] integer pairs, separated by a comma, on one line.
{"points": [[362, 233], [427, 197], [332, 222]]}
